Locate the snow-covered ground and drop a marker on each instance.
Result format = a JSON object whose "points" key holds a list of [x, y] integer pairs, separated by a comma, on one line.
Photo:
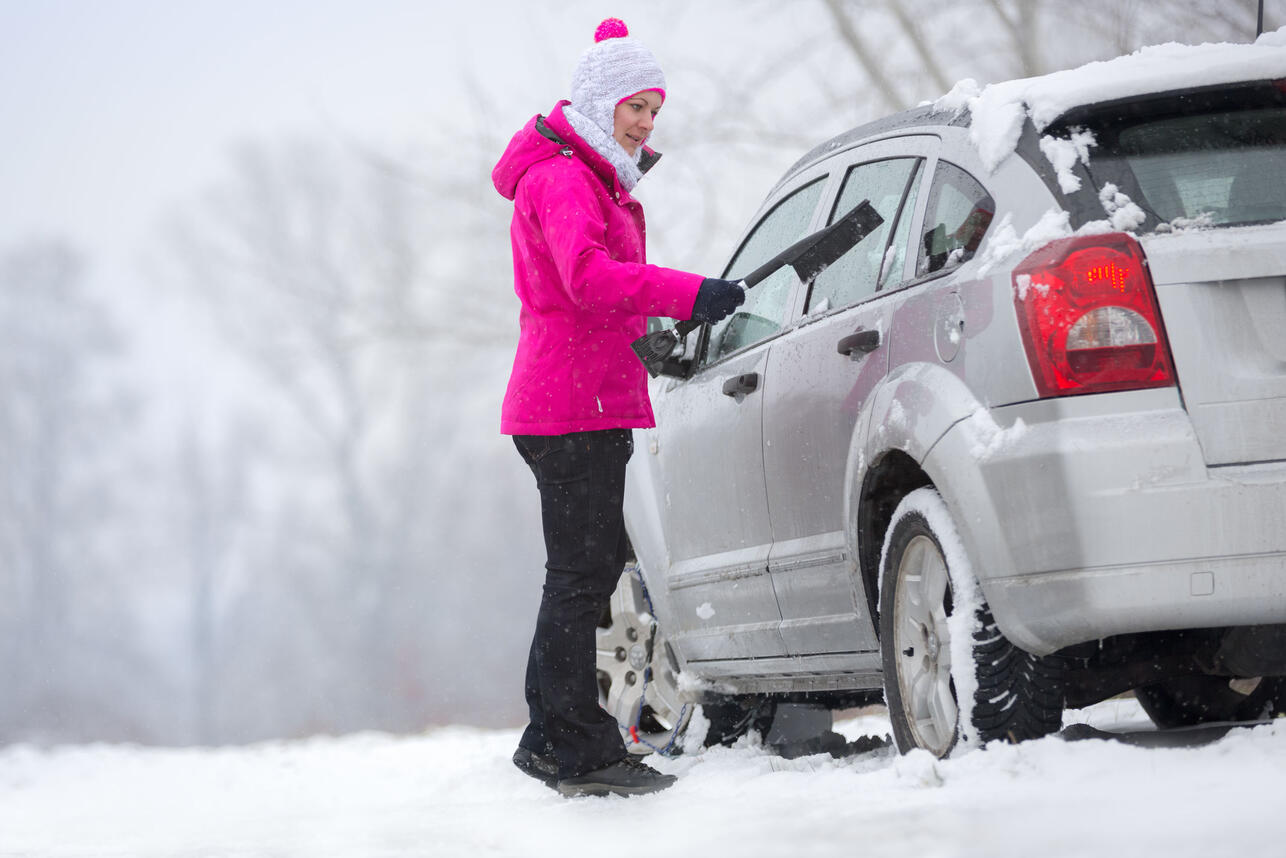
{"points": [[453, 792]]}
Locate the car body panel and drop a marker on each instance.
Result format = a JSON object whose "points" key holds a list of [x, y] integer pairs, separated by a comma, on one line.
{"points": [[1223, 298], [812, 407], [709, 448], [1083, 517], [1093, 519]]}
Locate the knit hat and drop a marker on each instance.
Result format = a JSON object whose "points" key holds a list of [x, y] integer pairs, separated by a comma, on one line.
{"points": [[614, 68]]}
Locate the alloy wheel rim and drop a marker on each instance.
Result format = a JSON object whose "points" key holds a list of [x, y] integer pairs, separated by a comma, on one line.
{"points": [[637, 671], [923, 644]]}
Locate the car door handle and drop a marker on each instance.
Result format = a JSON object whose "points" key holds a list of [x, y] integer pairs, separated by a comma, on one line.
{"points": [[861, 342], [740, 385]]}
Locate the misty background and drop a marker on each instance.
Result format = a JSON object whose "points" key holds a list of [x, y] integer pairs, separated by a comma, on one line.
{"points": [[256, 320]]}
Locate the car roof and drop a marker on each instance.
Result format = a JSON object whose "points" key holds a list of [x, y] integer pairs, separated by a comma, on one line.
{"points": [[1043, 100], [922, 117]]}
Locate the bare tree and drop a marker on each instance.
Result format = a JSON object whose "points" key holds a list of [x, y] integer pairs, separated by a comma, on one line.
{"points": [[67, 630], [313, 266], [370, 295]]}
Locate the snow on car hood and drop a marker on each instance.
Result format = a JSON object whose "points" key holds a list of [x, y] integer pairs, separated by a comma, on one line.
{"points": [[998, 110]]}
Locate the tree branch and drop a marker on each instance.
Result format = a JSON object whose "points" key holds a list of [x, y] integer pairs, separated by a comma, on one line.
{"points": [[922, 49], [862, 54]]}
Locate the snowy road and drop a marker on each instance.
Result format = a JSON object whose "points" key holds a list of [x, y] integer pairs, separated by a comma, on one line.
{"points": [[452, 792]]}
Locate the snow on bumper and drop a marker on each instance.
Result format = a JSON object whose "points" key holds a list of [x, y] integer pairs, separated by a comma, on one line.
{"points": [[1094, 516]]}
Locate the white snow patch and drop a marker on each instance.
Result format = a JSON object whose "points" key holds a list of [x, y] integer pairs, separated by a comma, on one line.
{"points": [[959, 98], [691, 687], [454, 792], [919, 768], [998, 111], [695, 733], [1004, 245], [1005, 242], [996, 124], [1063, 153], [1204, 220], [1123, 214], [705, 610], [1023, 285], [987, 438]]}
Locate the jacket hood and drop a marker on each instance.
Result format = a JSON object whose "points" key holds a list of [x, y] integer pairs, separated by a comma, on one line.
{"points": [[529, 147]]}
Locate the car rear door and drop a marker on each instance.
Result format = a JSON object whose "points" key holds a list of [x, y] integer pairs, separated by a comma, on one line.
{"points": [[819, 376], [1213, 158], [709, 449], [1223, 298]]}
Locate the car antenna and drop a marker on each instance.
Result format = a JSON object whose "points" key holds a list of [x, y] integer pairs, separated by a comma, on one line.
{"points": [[1259, 28]]}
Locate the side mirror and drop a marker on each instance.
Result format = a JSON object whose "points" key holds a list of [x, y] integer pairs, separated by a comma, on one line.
{"points": [[662, 351], [679, 361]]}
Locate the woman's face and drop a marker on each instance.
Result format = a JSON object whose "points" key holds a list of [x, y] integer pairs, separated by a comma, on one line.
{"points": [[633, 121]]}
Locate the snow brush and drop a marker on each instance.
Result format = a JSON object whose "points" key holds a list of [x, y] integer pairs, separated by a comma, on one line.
{"points": [[809, 256]]}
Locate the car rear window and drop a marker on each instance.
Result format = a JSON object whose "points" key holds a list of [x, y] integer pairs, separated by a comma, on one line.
{"points": [[1220, 164]]}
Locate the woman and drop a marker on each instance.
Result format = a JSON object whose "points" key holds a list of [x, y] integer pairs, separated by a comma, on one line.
{"points": [[577, 389]]}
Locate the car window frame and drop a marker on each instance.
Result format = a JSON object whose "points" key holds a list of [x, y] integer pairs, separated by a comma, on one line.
{"points": [[822, 171], [918, 168], [922, 212], [920, 145]]}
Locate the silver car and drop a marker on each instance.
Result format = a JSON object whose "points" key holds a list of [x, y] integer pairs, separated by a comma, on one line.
{"points": [[1001, 458]]}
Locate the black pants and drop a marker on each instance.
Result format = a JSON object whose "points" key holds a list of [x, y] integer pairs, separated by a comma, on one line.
{"points": [[581, 477]]}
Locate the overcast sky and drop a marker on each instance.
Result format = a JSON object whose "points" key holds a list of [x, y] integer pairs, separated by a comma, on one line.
{"points": [[114, 109], [116, 112]]}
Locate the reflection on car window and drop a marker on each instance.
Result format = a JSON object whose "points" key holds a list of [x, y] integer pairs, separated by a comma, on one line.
{"points": [[1225, 167], [959, 212], [857, 274], [764, 312]]}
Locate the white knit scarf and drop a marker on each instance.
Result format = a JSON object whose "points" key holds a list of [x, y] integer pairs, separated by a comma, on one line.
{"points": [[627, 167]]}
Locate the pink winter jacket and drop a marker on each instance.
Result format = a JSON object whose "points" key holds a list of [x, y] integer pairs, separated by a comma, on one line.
{"points": [[585, 288]]}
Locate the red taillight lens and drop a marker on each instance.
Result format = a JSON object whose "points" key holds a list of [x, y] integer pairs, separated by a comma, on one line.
{"points": [[1089, 319]]}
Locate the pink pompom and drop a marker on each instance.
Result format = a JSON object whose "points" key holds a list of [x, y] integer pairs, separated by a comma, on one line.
{"points": [[611, 28]]}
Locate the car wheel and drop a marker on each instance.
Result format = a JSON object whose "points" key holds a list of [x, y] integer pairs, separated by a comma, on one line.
{"points": [[638, 675], [940, 644], [1191, 700]]}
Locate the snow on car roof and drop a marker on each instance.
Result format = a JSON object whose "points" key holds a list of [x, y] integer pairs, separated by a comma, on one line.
{"points": [[998, 110]]}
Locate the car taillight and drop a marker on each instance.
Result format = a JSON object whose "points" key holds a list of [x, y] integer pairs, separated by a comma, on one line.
{"points": [[1089, 319]]}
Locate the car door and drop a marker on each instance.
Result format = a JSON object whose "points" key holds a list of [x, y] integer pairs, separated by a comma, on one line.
{"points": [[822, 373], [709, 449]]}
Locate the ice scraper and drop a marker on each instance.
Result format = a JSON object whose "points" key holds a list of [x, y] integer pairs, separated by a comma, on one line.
{"points": [[809, 256]]}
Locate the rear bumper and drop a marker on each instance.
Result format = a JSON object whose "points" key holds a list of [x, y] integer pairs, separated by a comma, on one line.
{"points": [[1096, 516]]}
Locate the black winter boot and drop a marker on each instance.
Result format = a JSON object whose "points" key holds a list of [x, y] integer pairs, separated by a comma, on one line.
{"points": [[542, 767], [627, 776]]}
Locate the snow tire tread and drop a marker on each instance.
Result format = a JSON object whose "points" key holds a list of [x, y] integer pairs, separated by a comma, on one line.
{"points": [[1020, 696]]}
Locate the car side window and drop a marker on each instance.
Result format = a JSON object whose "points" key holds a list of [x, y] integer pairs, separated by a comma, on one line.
{"points": [[857, 274], [959, 212], [767, 303], [895, 256]]}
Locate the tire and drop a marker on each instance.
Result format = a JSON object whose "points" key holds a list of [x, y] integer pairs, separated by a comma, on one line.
{"points": [[638, 675], [932, 655], [1190, 700]]}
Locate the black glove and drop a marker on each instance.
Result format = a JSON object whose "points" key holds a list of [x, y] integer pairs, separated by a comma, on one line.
{"points": [[716, 299]]}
